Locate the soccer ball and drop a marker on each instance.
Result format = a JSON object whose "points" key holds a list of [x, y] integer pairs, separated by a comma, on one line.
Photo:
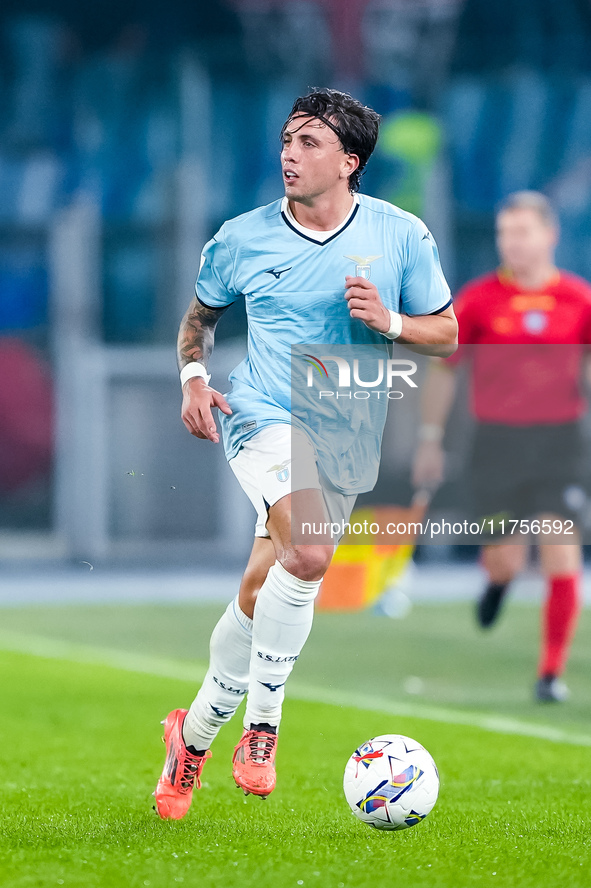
{"points": [[391, 782]]}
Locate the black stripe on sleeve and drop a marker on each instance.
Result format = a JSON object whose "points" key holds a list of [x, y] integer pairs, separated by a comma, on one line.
{"points": [[212, 307], [443, 307]]}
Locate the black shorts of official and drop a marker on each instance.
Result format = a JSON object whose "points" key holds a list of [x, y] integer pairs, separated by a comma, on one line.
{"points": [[520, 472]]}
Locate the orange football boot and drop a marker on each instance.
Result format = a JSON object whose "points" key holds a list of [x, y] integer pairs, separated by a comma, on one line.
{"points": [[181, 772], [253, 763]]}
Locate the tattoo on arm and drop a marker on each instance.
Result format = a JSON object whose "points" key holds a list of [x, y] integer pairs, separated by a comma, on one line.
{"points": [[196, 333]]}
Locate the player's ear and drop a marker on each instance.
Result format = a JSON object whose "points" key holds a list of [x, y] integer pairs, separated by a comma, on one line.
{"points": [[350, 164]]}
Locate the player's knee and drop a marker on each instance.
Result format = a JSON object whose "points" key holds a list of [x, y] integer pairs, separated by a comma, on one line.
{"points": [[307, 562]]}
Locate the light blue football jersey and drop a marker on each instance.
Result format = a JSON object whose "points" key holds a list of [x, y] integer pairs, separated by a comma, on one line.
{"points": [[293, 283]]}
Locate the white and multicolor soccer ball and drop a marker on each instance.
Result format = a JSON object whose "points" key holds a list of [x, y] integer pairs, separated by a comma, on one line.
{"points": [[391, 782]]}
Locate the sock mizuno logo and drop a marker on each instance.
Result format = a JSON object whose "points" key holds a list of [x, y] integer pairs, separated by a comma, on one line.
{"points": [[220, 712], [277, 274], [271, 687], [271, 659]]}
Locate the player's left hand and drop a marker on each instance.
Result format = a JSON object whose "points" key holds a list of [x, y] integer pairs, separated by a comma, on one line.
{"points": [[365, 304]]}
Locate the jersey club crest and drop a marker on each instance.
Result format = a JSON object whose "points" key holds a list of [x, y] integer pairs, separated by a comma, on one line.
{"points": [[281, 470], [363, 265]]}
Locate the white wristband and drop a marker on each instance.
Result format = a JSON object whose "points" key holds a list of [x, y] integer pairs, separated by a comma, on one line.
{"points": [[395, 325], [194, 369]]}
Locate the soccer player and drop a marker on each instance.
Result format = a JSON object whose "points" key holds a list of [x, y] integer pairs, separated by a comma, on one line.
{"points": [[527, 401], [291, 262]]}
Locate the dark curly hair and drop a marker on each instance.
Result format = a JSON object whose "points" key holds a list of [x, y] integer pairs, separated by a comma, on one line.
{"points": [[355, 124]]}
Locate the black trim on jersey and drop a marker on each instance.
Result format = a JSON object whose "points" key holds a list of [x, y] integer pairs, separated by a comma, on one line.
{"points": [[439, 310], [331, 238], [212, 307]]}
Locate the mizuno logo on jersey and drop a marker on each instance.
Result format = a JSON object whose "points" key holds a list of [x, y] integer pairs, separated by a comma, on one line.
{"points": [[277, 274]]}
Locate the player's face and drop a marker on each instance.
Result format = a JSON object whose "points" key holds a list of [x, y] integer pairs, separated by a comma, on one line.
{"points": [[524, 239], [313, 161]]}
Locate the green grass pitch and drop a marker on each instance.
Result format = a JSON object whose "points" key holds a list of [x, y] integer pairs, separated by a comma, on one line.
{"points": [[80, 754]]}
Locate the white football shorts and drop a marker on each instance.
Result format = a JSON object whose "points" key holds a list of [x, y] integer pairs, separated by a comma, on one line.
{"points": [[264, 468]]}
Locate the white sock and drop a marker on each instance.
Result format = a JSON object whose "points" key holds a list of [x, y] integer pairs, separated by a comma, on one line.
{"points": [[282, 621], [226, 681]]}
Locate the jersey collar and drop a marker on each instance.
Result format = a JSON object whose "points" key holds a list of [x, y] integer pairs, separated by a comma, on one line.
{"points": [[317, 237]]}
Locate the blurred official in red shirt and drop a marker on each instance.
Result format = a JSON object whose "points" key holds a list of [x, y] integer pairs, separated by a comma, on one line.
{"points": [[523, 332]]}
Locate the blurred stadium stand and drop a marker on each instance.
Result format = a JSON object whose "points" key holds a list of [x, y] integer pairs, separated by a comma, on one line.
{"points": [[129, 131]]}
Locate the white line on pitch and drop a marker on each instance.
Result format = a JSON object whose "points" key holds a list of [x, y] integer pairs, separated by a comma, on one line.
{"points": [[194, 671], [497, 724], [57, 649]]}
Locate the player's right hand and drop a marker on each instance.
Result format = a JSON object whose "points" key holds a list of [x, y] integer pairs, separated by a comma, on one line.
{"points": [[428, 465], [198, 400]]}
